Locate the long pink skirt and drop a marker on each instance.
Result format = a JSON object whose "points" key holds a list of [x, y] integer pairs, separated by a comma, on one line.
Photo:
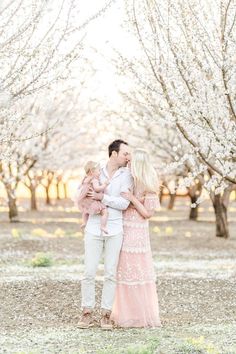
{"points": [[136, 300]]}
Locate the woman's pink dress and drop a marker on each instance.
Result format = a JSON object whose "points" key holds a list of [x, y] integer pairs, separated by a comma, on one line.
{"points": [[85, 204], [136, 300]]}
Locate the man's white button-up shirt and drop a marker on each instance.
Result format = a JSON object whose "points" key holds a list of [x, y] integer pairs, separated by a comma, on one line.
{"points": [[121, 181]]}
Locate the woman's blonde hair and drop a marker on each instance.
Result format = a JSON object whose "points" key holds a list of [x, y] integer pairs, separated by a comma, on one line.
{"points": [[143, 172], [90, 166]]}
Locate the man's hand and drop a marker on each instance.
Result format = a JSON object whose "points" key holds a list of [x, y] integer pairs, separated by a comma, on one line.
{"points": [[94, 195]]}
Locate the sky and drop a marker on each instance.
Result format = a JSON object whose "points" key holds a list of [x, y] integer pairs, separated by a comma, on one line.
{"points": [[103, 36]]}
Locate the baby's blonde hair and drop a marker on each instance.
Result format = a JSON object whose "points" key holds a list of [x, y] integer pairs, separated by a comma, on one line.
{"points": [[90, 166], [143, 172]]}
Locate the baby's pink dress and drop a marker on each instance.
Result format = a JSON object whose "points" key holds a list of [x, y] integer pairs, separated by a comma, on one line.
{"points": [[85, 204], [136, 300]]}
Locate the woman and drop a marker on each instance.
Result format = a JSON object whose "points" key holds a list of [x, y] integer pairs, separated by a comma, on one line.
{"points": [[136, 301]]}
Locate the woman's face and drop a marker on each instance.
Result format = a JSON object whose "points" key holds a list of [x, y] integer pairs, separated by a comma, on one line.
{"points": [[129, 161]]}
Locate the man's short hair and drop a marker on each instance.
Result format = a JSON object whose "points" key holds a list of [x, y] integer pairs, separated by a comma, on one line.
{"points": [[115, 146]]}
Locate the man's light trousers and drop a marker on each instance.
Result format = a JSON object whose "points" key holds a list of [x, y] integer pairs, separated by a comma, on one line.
{"points": [[94, 246]]}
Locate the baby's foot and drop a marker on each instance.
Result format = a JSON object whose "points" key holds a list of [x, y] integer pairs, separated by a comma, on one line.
{"points": [[104, 230]]}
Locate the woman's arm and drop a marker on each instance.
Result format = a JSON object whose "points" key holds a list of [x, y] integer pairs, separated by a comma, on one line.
{"points": [[146, 214]]}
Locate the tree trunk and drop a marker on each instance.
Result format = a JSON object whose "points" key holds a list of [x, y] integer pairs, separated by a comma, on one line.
{"points": [[58, 190], [194, 193], [193, 215], [65, 190], [13, 211], [161, 195], [222, 229], [171, 201], [33, 201], [48, 200]]}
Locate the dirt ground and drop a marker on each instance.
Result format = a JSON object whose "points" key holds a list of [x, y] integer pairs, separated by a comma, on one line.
{"points": [[40, 306]]}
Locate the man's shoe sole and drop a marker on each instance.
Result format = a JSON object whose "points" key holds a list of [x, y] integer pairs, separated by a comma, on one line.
{"points": [[107, 328], [85, 326]]}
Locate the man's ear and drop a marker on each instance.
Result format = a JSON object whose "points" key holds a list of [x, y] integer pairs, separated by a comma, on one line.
{"points": [[114, 153]]}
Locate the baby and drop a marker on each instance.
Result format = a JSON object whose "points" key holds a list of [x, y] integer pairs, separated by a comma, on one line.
{"points": [[89, 206]]}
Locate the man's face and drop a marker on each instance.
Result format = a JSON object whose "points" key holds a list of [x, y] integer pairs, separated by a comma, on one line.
{"points": [[123, 155]]}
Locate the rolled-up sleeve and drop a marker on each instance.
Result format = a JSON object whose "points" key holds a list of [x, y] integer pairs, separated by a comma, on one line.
{"points": [[119, 202], [115, 202]]}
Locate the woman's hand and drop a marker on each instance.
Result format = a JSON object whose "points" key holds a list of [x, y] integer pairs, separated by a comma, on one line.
{"points": [[128, 195]]}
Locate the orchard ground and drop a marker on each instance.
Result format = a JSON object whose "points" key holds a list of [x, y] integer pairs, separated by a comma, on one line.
{"points": [[40, 306]]}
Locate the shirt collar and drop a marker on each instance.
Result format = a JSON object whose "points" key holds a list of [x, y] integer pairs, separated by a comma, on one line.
{"points": [[116, 174]]}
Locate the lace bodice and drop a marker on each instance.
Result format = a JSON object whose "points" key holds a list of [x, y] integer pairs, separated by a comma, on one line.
{"points": [[136, 227], [150, 202]]}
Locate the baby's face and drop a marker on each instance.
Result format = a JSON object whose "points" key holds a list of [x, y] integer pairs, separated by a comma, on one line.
{"points": [[96, 172]]}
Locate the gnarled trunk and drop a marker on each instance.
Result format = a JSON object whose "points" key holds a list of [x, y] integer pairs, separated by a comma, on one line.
{"points": [[13, 211], [222, 228], [33, 201], [193, 215], [194, 193], [171, 201], [58, 190], [220, 203], [161, 195], [48, 176], [65, 190], [48, 200]]}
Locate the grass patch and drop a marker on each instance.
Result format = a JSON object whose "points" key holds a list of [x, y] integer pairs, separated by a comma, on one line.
{"points": [[41, 259], [16, 233], [140, 348], [201, 346], [39, 232]]}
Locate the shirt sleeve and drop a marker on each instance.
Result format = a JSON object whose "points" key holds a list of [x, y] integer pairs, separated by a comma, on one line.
{"points": [[119, 202], [151, 202]]}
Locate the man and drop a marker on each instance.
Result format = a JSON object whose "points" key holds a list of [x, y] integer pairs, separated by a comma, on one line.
{"points": [[120, 181]]}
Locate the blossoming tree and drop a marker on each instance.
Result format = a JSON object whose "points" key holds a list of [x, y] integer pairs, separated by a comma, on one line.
{"points": [[186, 76]]}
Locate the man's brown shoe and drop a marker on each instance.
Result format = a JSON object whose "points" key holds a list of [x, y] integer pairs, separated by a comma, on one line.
{"points": [[106, 322], [86, 320]]}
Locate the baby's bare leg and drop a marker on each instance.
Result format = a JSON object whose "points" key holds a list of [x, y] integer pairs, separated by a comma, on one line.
{"points": [[85, 219], [104, 217]]}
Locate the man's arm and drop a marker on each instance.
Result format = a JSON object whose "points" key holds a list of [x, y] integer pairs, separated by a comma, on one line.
{"points": [[120, 203], [115, 202]]}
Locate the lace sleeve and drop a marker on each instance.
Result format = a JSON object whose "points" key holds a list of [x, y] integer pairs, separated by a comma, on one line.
{"points": [[151, 202]]}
